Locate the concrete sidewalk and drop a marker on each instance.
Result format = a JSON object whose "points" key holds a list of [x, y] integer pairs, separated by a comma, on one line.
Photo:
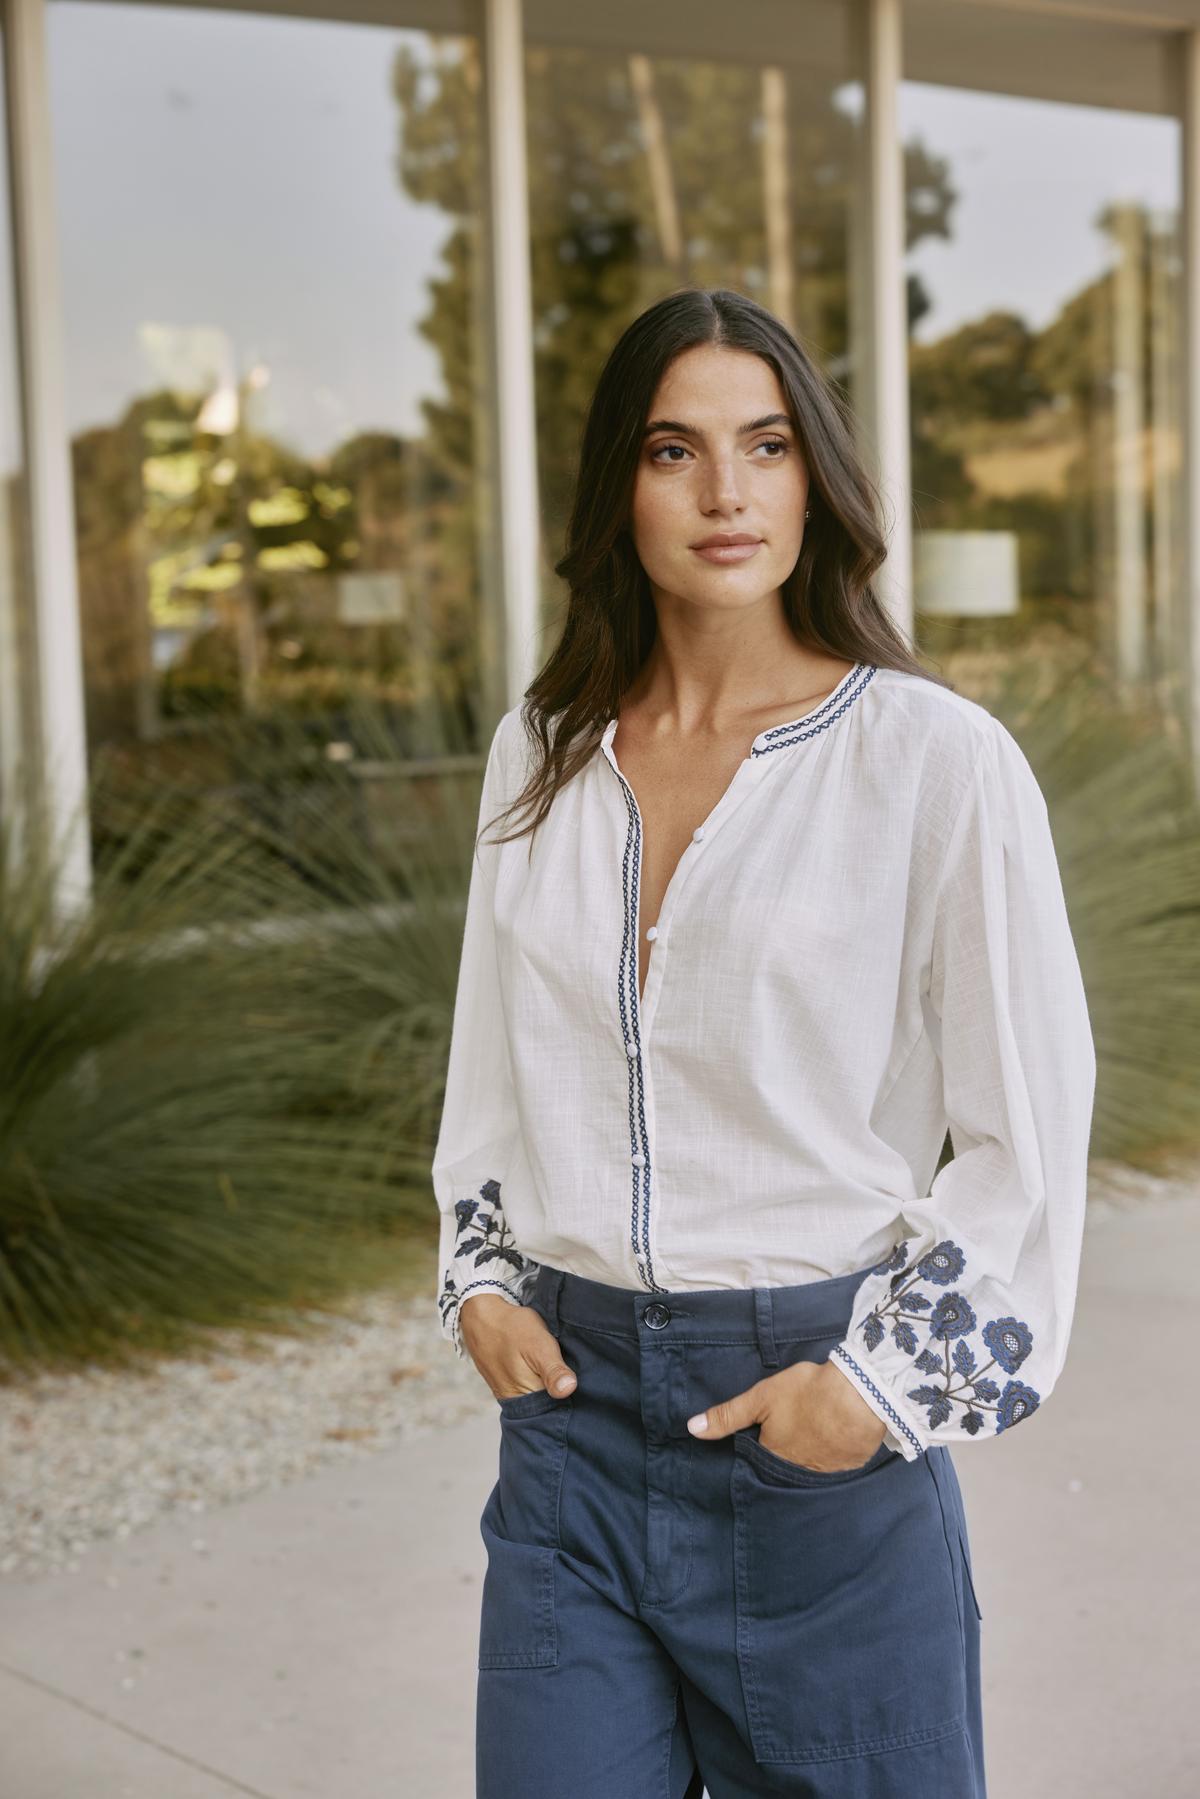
{"points": [[319, 1640]]}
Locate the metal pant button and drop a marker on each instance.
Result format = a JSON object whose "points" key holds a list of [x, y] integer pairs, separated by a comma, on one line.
{"points": [[656, 1315]]}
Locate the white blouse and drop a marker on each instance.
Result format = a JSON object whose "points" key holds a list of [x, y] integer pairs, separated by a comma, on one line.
{"points": [[865, 943]]}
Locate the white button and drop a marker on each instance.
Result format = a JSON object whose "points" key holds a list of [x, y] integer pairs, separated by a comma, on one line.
{"points": [[698, 833], [639, 1161], [652, 933], [630, 1047]]}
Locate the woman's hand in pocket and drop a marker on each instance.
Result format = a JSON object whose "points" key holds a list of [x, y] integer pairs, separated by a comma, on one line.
{"points": [[512, 1348], [809, 1413]]}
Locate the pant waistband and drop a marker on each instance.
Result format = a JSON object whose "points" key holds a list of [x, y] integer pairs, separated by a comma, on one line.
{"points": [[762, 1315]]}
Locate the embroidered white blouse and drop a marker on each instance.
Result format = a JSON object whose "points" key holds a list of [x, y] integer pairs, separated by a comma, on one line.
{"points": [[865, 943]]}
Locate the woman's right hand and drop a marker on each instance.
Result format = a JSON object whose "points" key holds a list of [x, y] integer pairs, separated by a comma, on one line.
{"points": [[512, 1347]]}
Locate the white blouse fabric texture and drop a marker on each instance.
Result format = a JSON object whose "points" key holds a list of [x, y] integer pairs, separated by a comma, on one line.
{"points": [[865, 943]]}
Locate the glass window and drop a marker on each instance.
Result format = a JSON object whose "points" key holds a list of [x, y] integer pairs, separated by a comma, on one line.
{"points": [[1044, 313], [274, 299]]}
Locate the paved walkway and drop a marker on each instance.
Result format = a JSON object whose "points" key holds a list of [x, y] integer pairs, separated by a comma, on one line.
{"points": [[318, 1640]]}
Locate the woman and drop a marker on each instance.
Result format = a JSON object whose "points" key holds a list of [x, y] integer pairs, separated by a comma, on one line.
{"points": [[784, 908]]}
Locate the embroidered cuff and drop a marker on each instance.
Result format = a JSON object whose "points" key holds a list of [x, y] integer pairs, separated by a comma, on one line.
{"points": [[924, 1363], [484, 1259], [902, 1431]]}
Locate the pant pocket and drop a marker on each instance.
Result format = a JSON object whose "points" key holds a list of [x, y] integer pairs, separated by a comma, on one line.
{"points": [[848, 1637], [518, 1626], [520, 1529], [533, 1454], [797, 1473]]}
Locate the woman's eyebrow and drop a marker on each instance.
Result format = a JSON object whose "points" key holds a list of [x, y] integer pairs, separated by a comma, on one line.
{"points": [[768, 418]]}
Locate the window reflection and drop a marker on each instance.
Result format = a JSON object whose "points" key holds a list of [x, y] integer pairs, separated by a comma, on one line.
{"points": [[1044, 360], [272, 278]]}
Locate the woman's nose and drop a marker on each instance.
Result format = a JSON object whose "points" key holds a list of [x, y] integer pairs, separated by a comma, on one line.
{"points": [[722, 487]]}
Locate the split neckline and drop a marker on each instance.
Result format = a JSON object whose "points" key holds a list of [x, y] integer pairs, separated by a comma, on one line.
{"points": [[809, 724]]}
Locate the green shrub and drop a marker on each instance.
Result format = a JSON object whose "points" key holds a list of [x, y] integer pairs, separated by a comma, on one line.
{"points": [[221, 1085]]}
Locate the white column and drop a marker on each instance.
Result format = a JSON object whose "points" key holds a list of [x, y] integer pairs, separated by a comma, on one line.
{"points": [[1188, 66], [1165, 402], [879, 322], [515, 472], [1128, 458], [58, 670]]}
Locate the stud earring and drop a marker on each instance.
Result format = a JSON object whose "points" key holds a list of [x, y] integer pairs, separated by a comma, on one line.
{"points": [[808, 512]]}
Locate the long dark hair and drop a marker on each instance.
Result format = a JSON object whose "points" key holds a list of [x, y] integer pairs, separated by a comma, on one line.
{"points": [[610, 620]]}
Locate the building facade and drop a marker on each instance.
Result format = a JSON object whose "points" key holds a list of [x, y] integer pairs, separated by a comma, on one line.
{"points": [[303, 303]]}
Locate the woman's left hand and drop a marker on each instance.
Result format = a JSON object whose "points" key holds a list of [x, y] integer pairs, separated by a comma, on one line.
{"points": [[810, 1414]]}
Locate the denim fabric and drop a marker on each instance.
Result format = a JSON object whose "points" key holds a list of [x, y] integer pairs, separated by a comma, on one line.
{"points": [[659, 1610]]}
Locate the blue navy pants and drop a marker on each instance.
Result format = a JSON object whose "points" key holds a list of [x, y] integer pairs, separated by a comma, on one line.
{"points": [[661, 1614]]}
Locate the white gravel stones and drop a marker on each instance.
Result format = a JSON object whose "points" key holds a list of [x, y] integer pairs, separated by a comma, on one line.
{"points": [[100, 1454]]}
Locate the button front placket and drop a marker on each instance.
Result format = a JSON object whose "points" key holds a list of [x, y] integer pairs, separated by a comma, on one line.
{"points": [[636, 1016], [631, 1030]]}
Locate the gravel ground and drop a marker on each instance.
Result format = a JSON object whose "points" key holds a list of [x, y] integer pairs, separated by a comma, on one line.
{"points": [[99, 1454]]}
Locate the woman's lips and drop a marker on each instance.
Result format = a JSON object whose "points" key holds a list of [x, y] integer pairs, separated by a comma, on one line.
{"points": [[728, 552]]}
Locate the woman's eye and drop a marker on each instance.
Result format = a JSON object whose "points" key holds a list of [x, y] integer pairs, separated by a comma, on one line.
{"points": [[769, 443]]}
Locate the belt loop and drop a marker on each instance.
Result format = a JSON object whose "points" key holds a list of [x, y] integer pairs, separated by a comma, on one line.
{"points": [[764, 1322], [556, 1278]]}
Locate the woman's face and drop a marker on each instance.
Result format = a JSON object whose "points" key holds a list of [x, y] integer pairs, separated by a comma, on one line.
{"points": [[702, 473]]}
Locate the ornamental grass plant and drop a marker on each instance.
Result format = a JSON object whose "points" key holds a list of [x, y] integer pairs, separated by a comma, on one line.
{"points": [[1122, 799], [221, 1079]]}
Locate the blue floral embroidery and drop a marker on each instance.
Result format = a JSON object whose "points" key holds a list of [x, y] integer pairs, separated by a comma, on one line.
{"points": [[951, 1320], [482, 1232]]}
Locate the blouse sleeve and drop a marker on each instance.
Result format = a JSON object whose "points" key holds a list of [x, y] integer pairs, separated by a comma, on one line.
{"points": [[479, 1128], [962, 1331]]}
